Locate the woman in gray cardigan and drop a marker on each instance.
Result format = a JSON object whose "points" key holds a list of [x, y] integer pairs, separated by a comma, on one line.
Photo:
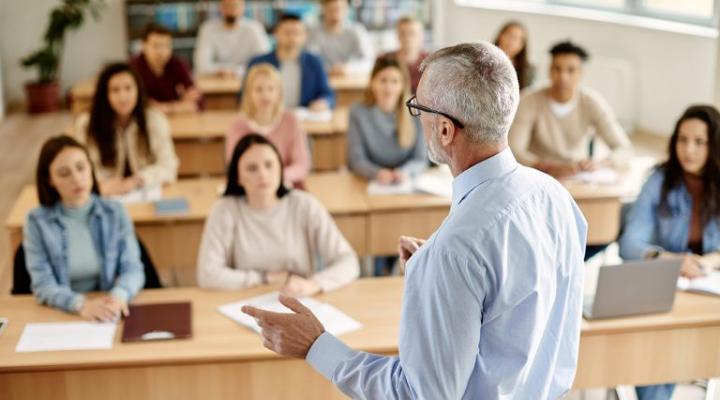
{"points": [[384, 142]]}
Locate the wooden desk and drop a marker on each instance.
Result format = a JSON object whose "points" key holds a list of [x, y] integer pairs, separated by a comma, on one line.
{"points": [[349, 89], [226, 361], [200, 141], [221, 93], [173, 240]]}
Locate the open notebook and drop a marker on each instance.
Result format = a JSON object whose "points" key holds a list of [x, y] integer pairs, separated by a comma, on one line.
{"points": [[709, 284]]}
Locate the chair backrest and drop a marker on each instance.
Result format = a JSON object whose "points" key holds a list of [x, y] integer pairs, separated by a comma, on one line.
{"points": [[22, 282]]}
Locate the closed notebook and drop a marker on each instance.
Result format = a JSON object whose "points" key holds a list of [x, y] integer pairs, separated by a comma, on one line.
{"points": [[158, 321], [174, 205]]}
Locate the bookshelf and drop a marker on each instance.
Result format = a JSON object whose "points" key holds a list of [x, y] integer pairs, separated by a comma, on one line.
{"points": [[183, 18]]}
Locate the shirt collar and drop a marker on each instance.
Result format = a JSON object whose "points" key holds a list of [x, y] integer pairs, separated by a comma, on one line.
{"points": [[493, 167]]}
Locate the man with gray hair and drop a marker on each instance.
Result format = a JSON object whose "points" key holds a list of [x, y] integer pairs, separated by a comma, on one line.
{"points": [[492, 302]]}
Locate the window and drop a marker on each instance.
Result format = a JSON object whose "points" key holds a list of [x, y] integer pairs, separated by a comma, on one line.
{"points": [[696, 12]]}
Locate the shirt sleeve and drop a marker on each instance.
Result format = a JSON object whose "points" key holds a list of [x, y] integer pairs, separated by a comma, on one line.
{"points": [[358, 161], [638, 235], [522, 129], [203, 56], [298, 166], [419, 161], [215, 270], [46, 288], [322, 84], [362, 61], [611, 132], [164, 169], [130, 277], [438, 343], [338, 258]]}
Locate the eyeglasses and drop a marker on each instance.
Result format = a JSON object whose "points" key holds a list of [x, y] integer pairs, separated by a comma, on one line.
{"points": [[414, 109]]}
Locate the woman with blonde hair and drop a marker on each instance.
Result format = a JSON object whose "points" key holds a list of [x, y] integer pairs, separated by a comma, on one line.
{"points": [[262, 112], [384, 142]]}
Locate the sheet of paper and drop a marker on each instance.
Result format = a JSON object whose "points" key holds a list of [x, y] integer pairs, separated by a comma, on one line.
{"points": [[437, 181], [66, 336], [376, 188], [141, 195], [603, 176], [334, 320], [305, 114], [707, 284]]}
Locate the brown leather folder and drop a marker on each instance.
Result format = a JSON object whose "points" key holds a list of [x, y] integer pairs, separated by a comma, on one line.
{"points": [[158, 321]]}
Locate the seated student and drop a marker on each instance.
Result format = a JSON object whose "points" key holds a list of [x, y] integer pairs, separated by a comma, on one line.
{"points": [[78, 242], [410, 35], [343, 45], [677, 212], [262, 111], [304, 80], [512, 39], [384, 142], [554, 126], [165, 77], [224, 47], [129, 144], [260, 232]]}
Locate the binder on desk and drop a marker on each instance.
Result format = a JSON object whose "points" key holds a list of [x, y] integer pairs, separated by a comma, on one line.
{"points": [[158, 321]]}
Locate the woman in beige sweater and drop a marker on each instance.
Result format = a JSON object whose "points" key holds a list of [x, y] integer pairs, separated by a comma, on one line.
{"points": [[129, 144], [262, 233]]}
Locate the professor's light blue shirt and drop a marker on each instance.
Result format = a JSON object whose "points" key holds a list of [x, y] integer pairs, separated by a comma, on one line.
{"points": [[492, 303]]}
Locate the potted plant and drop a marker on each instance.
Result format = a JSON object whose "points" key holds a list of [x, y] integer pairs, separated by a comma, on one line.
{"points": [[43, 94]]}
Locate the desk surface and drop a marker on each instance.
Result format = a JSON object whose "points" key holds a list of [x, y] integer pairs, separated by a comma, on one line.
{"points": [[214, 124], [215, 85], [375, 302]]}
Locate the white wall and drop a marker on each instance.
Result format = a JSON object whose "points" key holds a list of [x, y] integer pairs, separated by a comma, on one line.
{"points": [[673, 70], [22, 24]]}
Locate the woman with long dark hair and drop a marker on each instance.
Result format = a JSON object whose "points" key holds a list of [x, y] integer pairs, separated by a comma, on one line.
{"points": [[513, 40], [129, 143], [78, 242], [260, 232], [677, 212]]}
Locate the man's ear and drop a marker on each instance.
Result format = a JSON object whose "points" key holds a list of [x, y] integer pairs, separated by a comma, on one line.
{"points": [[447, 131]]}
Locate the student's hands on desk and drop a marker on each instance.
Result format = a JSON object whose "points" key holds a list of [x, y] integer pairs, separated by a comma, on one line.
{"points": [[388, 176], [118, 186], [288, 334], [292, 285], [104, 309]]}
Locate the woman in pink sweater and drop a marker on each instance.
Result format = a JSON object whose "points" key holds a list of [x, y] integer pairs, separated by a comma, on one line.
{"points": [[262, 112]]}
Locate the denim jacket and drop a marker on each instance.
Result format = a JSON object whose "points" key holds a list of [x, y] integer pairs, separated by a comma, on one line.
{"points": [[45, 245], [646, 228]]}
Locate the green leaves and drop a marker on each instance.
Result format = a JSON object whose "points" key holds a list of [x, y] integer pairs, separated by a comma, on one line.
{"points": [[66, 17]]}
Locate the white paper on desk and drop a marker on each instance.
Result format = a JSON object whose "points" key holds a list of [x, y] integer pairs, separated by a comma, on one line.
{"points": [[140, 195], [304, 114], [437, 181], [376, 188], [708, 284], [335, 321], [54, 336], [603, 176]]}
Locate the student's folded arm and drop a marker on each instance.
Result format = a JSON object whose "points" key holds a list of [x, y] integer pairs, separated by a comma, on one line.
{"points": [[130, 275], [44, 285], [203, 58], [324, 91], [298, 167], [437, 347], [339, 259], [358, 160], [214, 269], [641, 222], [521, 132], [608, 128], [165, 167]]}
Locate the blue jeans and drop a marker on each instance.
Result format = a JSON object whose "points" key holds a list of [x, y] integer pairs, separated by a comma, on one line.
{"points": [[384, 265], [655, 392]]}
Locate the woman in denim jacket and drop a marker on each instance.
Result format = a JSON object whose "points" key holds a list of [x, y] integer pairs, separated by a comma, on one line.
{"points": [[676, 213], [77, 242]]}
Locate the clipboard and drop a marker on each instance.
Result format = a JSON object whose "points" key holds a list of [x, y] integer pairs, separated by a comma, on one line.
{"points": [[158, 321]]}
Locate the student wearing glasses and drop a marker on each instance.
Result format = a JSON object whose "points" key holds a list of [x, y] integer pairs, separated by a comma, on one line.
{"points": [[384, 142]]}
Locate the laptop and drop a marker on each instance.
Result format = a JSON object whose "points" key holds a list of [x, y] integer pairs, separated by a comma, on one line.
{"points": [[633, 288]]}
